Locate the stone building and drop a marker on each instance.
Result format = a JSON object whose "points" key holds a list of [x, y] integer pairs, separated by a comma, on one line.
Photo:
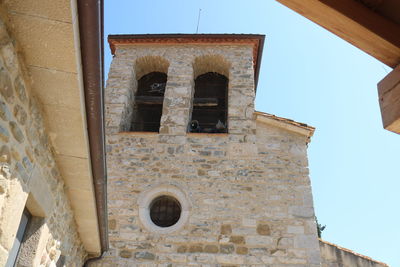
{"points": [[185, 192], [49, 199], [196, 176]]}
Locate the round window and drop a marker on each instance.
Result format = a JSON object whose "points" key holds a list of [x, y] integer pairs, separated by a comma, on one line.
{"points": [[165, 211]]}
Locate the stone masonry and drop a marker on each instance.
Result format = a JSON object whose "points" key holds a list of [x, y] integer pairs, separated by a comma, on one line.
{"points": [[334, 256], [248, 192], [29, 177]]}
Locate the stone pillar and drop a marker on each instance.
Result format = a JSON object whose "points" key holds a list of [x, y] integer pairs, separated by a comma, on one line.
{"points": [[178, 97]]}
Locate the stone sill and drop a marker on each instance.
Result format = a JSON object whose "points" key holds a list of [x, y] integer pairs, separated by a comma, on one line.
{"points": [[188, 134], [207, 134], [138, 133]]}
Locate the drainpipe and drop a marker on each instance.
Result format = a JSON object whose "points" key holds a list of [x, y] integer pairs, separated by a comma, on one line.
{"points": [[90, 14]]}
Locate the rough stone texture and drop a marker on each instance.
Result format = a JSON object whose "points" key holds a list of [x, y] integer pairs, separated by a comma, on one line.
{"points": [[335, 256], [28, 173], [30, 243], [248, 189]]}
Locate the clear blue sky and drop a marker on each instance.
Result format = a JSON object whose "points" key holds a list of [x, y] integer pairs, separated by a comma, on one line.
{"points": [[312, 76]]}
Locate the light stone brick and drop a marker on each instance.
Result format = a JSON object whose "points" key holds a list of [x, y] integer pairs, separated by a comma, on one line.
{"points": [[33, 180], [249, 222], [248, 190], [305, 241], [259, 240], [295, 229]]}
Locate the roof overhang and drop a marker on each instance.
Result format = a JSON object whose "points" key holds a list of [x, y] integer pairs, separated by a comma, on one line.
{"points": [[338, 249], [389, 100], [254, 40], [61, 43], [374, 27], [287, 124], [371, 25]]}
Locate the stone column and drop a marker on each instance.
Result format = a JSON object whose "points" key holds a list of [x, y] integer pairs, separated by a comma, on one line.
{"points": [[178, 97]]}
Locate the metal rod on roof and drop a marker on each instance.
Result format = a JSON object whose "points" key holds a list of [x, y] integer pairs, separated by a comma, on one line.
{"points": [[198, 21]]}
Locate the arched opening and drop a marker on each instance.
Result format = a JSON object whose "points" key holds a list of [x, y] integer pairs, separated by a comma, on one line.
{"points": [[149, 98], [210, 104], [148, 102]]}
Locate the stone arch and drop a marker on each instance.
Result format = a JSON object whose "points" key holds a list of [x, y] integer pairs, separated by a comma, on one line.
{"points": [[151, 79], [210, 100], [211, 63], [147, 64]]}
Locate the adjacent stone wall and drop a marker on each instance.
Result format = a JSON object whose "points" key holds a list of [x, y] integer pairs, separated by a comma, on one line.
{"points": [[29, 176], [335, 256], [249, 190]]}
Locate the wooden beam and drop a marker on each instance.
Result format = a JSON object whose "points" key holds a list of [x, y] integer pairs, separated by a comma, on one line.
{"points": [[355, 23], [389, 100], [158, 100], [205, 102], [149, 100]]}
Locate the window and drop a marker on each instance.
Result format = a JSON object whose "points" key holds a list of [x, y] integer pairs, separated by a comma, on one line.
{"points": [[210, 102], [149, 99], [146, 107], [13, 254], [165, 211], [209, 114]]}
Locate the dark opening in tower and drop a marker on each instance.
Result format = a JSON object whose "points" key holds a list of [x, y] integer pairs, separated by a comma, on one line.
{"points": [[149, 99], [210, 104]]}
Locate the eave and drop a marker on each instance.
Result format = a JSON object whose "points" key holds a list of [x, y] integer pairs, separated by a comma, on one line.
{"points": [[284, 123], [374, 33], [49, 36]]}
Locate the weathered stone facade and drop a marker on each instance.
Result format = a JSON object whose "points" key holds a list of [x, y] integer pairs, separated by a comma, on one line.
{"points": [[335, 256], [248, 192], [29, 177]]}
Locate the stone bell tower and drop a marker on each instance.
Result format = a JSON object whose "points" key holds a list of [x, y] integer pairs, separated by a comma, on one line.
{"points": [[196, 177]]}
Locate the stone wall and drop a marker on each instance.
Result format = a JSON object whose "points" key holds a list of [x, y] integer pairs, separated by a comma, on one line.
{"points": [[29, 177], [247, 192], [335, 256]]}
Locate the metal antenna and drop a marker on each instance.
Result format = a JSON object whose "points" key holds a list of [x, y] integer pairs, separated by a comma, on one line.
{"points": [[198, 21]]}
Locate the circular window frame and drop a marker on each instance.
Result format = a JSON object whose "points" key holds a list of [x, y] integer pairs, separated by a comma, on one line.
{"points": [[149, 196]]}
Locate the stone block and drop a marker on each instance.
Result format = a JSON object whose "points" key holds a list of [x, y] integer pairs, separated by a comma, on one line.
{"points": [[198, 248], [211, 249], [242, 250], [263, 229], [226, 249], [295, 229], [301, 211], [5, 113], [16, 132], [144, 255], [259, 240], [125, 254], [4, 134], [305, 241], [237, 239]]}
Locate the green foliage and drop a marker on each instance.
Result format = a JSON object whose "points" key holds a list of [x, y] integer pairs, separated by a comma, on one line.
{"points": [[320, 227]]}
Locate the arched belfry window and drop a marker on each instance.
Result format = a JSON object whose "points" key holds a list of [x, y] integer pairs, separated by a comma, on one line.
{"points": [[210, 101], [149, 96]]}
